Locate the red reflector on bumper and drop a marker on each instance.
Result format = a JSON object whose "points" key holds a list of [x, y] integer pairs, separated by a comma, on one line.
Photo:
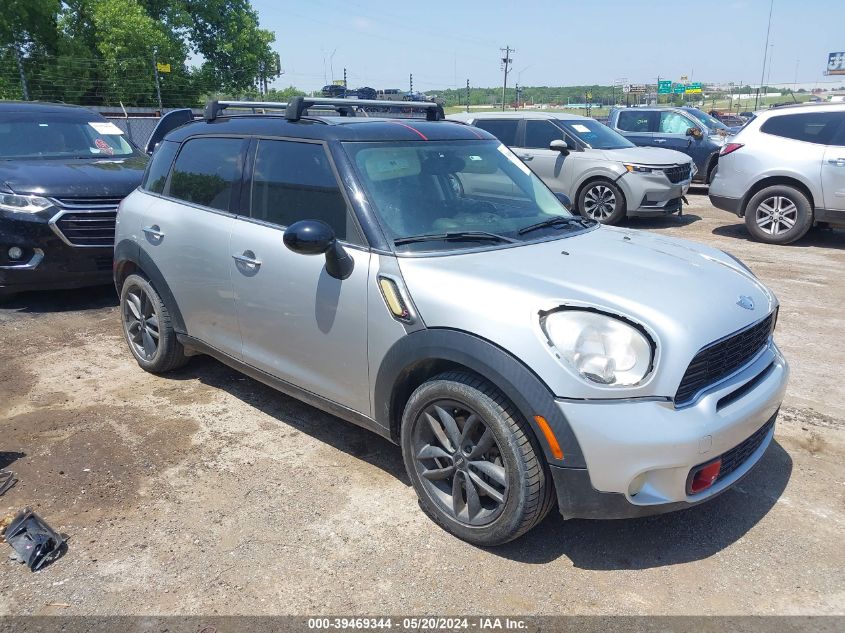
{"points": [[705, 477]]}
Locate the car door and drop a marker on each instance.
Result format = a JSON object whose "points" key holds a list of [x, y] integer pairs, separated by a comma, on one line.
{"points": [[672, 128], [297, 322], [185, 235], [637, 125], [554, 167], [833, 169]]}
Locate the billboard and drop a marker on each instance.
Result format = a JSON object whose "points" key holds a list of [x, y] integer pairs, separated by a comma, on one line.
{"points": [[694, 88], [664, 87], [836, 64]]}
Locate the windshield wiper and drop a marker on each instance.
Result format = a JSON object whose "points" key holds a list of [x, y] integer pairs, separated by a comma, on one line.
{"points": [[585, 222], [467, 236]]}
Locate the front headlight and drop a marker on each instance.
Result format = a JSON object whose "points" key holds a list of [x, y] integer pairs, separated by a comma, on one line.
{"points": [[601, 348], [639, 169], [23, 204]]}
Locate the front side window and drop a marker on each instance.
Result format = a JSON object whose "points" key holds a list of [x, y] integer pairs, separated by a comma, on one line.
{"points": [[456, 194], [811, 127], [159, 167], [596, 135], [294, 181], [709, 121], [48, 135], [206, 171], [634, 121], [674, 123], [539, 134], [502, 129]]}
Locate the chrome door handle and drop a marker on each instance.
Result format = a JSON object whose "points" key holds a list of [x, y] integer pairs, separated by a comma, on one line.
{"points": [[660, 140], [154, 230], [526, 157], [838, 162], [247, 258]]}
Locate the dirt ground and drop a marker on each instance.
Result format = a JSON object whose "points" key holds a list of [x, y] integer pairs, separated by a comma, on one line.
{"points": [[205, 492]]}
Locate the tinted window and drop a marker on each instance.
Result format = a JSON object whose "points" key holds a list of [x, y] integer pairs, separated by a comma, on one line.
{"points": [[674, 123], [502, 129], [294, 181], [812, 127], [206, 171], [839, 139], [159, 166], [539, 134], [633, 121], [51, 135]]}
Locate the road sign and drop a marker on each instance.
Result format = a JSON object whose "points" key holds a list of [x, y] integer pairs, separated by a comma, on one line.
{"points": [[637, 89], [693, 88], [836, 64], [163, 68], [589, 96], [684, 79], [680, 89], [337, 82], [664, 87]]}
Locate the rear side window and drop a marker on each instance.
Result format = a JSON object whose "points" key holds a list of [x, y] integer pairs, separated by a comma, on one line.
{"points": [[294, 181], [538, 134], [159, 166], [636, 121], [502, 129], [811, 127], [206, 171]]}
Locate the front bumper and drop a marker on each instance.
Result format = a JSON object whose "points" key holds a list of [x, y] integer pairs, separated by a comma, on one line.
{"points": [[639, 453], [48, 262], [652, 194]]}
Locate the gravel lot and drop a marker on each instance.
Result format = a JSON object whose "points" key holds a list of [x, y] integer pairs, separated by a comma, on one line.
{"points": [[205, 492]]}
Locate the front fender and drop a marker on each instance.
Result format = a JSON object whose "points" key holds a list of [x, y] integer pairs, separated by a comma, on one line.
{"points": [[511, 376]]}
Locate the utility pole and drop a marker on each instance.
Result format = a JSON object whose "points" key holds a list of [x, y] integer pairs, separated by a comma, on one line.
{"points": [[411, 84], [517, 97], [506, 62], [158, 84], [467, 95], [765, 54], [344, 82]]}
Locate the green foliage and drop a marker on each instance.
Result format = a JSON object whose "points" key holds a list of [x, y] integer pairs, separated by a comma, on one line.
{"points": [[102, 52]]}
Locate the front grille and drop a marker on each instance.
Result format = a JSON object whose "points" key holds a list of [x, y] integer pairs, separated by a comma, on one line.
{"points": [[678, 173], [723, 358], [738, 455], [93, 228], [88, 203]]}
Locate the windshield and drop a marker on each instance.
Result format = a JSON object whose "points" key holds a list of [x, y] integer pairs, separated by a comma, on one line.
{"points": [[596, 135], [709, 121], [456, 194], [28, 135]]}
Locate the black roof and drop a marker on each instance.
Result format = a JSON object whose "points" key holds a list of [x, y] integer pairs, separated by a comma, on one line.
{"points": [[42, 106], [332, 128]]}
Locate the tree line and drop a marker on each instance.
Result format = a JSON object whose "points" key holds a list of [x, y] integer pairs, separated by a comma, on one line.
{"points": [[107, 52]]}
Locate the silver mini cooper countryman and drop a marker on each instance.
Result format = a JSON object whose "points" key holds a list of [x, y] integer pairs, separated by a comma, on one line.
{"points": [[414, 277]]}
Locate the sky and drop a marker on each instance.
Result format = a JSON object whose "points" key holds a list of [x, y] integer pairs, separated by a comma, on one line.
{"points": [[558, 43]]}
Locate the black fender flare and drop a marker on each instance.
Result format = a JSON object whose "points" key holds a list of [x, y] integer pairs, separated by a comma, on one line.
{"points": [[129, 251], [506, 372]]}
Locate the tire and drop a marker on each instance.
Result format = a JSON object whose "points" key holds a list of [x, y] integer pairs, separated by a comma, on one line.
{"points": [[143, 315], [508, 472], [778, 215], [711, 172], [603, 201]]}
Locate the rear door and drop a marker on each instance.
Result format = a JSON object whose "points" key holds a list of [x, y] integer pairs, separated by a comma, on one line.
{"points": [[297, 322], [833, 169], [185, 233], [637, 125]]}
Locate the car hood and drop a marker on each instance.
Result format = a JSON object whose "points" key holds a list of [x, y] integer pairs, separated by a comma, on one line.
{"points": [[647, 156], [80, 177], [686, 295]]}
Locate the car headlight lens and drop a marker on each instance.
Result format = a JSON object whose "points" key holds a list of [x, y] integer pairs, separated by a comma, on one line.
{"points": [[601, 348], [23, 204], [640, 169]]}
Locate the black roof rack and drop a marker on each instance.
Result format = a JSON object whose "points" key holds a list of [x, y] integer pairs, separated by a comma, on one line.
{"points": [[297, 106]]}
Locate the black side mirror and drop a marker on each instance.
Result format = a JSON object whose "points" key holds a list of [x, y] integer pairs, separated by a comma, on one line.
{"points": [[694, 132], [559, 145], [565, 200], [313, 237]]}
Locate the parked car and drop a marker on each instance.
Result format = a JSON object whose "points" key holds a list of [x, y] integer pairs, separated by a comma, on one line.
{"points": [[366, 93], [687, 130], [785, 171], [605, 175], [335, 91], [416, 278], [732, 121], [63, 171]]}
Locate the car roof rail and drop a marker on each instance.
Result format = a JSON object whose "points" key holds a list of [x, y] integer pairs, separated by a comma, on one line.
{"points": [[214, 107], [298, 105]]}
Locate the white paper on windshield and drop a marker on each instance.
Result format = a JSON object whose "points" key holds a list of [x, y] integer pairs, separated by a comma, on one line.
{"points": [[580, 127], [512, 158], [105, 127]]}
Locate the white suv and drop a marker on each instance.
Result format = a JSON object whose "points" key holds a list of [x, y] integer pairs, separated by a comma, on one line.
{"points": [[784, 171]]}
